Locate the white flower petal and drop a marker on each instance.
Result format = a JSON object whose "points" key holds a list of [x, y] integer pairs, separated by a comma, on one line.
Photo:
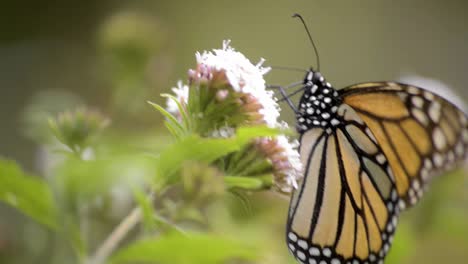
{"points": [[181, 93]]}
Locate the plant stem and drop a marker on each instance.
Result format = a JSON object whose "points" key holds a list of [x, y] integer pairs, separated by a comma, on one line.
{"points": [[117, 235], [83, 214]]}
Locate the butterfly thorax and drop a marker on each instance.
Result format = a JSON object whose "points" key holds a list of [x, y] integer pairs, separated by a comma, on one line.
{"points": [[318, 105]]}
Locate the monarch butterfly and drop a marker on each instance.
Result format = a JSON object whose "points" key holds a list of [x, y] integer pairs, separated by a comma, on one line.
{"points": [[368, 152]]}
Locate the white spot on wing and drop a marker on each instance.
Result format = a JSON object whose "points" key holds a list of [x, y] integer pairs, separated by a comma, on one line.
{"points": [[439, 138], [301, 255], [416, 184], [327, 252], [390, 207], [302, 244], [417, 101], [424, 174], [428, 164], [292, 236], [428, 95], [438, 160], [394, 195], [313, 251], [420, 116], [335, 122], [413, 90], [401, 204], [434, 111], [380, 158]]}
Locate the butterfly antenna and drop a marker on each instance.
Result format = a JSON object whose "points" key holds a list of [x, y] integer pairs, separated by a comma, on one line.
{"points": [[310, 38], [274, 67]]}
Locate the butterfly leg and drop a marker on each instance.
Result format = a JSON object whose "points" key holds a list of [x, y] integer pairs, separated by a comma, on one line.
{"points": [[285, 96]]}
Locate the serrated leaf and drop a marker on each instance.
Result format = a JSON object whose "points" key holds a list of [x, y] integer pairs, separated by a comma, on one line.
{"points": [[28, 194], [180, 249]]}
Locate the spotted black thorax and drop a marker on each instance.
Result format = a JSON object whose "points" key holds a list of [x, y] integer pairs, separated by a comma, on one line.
{"points": [[318, 105]]}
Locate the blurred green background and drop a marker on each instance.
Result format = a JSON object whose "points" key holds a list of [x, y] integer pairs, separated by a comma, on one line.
{"points": [[116, 55]]}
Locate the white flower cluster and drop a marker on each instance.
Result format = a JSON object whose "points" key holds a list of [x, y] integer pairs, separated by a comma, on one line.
{"points": [[243, 77], [248, 78]]}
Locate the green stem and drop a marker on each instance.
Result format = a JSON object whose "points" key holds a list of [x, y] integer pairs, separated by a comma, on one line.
{"points": [[117, 235]]}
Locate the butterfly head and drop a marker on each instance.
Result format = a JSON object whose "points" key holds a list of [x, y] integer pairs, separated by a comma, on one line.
{"points": [[318, 105]]}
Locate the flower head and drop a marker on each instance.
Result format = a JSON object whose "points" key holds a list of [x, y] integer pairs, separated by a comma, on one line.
{"points": [[76, 128], [244, 77], [227, 91]]}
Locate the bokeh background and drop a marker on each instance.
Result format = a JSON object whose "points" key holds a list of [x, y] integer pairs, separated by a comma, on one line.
{"points": [[116, 55]]}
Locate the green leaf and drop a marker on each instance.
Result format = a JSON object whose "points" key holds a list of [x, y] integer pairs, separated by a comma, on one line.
{"points": [[172, 123], [28, 194], [207, 150], [192, 148], [183, 113], [179, 249], [243, 182], [245, 134]]}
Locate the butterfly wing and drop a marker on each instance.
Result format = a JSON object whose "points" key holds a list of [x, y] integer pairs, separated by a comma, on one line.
{"points": [[346, 207], [420, 133]]}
